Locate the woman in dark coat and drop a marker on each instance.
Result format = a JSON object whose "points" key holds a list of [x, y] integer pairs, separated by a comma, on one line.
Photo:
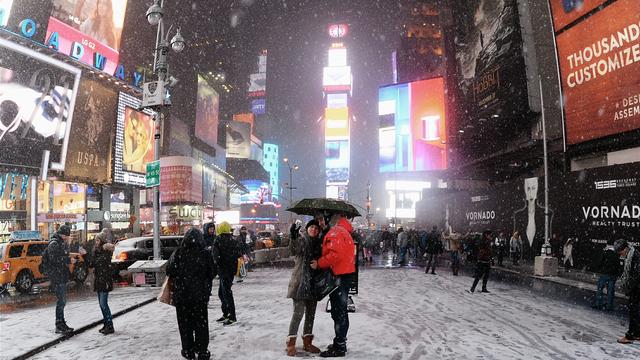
{"points": [[305, 248], [102, 278], [191, 270]]}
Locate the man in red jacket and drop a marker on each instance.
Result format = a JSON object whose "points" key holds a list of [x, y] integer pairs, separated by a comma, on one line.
{"points": [[338, 254]]}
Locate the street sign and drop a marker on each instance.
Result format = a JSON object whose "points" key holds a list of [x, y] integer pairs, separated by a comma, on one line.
{"points": [[153, 173]]}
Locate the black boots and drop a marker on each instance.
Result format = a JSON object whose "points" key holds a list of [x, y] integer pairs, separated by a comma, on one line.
{"points": [[62, 328], [107, 329], [332, 352]]}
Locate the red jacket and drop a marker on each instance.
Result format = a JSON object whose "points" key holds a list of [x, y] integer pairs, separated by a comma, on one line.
{"points": [[338, 250]]}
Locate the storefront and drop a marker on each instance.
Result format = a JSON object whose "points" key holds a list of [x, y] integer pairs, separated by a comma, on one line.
{"points": [[15, 197], [61, 202]]}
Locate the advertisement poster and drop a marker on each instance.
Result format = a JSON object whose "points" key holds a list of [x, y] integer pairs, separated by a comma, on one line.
{"points": [[87, 27], [179, 139], [134, 143], [207, 113], [37, 100], [89, 154], [238, 140], [491, 69], [180, 180], [566, 12], [413, 128], [5, 11], [600, 69]]}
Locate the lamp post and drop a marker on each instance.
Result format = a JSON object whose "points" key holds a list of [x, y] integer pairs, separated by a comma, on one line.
{"points": [[290, 186], [155, 17]]}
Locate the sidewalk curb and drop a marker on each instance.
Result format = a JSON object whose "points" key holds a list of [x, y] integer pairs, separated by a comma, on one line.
{"points": [[78, 331]]}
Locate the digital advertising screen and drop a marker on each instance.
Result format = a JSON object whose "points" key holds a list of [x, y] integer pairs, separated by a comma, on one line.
{"points": [[258, 214], [207, 113], [180, 138], [259, 192], [5, 11], [336, 123], [85, 28], [566, 12], [37, 101], [337, 78], [413, 128], [92, 133], [134, 141], [599, 61], [238, 140]]}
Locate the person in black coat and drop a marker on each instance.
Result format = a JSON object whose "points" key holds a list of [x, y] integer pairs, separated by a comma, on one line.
{"points": [[58, 260], [609, 269], [209, 235], [191, 269], [102, 278], [226, 253]]}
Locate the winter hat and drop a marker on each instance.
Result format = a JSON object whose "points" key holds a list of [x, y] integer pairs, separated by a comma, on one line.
{"points": [[620, 245], [64, 230], [312, 223], [223, 228], [192, 236]]}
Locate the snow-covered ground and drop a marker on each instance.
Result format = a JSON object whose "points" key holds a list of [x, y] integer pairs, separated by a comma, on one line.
{"points": [[402, 314]]}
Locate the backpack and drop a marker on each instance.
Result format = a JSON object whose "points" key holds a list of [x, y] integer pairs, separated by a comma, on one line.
{"points": [[45, 264]]}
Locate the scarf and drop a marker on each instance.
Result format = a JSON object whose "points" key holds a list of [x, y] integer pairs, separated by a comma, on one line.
{"points": [[626, 275]]}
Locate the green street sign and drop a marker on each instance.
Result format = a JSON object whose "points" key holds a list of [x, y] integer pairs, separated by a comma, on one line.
{"points": [[153, 173]]}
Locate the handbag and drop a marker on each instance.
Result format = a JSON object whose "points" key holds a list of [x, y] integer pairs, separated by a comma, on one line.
{"points": [[166, 292], [324, 283]]}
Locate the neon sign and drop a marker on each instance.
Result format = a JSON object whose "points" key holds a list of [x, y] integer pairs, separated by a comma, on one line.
{"points": [[337, 31]]}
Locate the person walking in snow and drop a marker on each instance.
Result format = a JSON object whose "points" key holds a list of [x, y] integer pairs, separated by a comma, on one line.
{"points": [[403, 243], [226, 253], [501, 247], [630, 283], [515, 247], [434, 248], [103, 278], [338, 254], [305, 248], [609, 269], [191, 269], [483, 264]]}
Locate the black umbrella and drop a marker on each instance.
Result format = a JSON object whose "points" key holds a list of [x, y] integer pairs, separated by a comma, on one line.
{"points": [[312, 206]]}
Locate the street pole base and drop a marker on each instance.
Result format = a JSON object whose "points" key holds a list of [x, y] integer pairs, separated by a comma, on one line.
{"points": [[545, 266]]}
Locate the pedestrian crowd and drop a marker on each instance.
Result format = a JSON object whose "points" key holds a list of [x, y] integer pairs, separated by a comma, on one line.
{"points": [[324, 266]]}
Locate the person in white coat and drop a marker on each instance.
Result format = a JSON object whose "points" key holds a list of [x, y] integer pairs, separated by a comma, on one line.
{"points": [[567, 251]]}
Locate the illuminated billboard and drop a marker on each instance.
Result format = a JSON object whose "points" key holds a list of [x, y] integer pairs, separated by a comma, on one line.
{"points": [[600, 69], [337, 78], [412, 131], [88, 30], [337, 57], [259, 192], [37, 102], [338, 31], [134, 141], [567, 11], [207, 113], [336, 123], [238, 140], [337, 100], [5, 11], [337, 158]]}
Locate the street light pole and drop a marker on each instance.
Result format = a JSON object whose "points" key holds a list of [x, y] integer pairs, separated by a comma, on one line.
{"points": [[155, 15]]}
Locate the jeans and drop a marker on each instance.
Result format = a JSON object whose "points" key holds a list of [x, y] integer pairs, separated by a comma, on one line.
{"points": [[226, 297], [339, 313], [634, 315], [482, 271], [455, 262], [61, 295], [610, 283], [431, 264], [300, 308], [193, 324], [103, 298], [403, 255]]}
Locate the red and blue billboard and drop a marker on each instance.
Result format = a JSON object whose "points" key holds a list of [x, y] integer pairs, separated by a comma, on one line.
{"points": [[412, 133]]}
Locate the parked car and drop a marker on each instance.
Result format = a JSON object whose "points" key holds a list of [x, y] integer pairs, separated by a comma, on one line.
{"points": [[21, 261], [131, 250]]}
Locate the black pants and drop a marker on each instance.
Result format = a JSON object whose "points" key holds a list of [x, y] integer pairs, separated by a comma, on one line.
{"points": [[339, 313], [634, 315], [433, 258], [482, 271], [226, 297], [193, 323]]}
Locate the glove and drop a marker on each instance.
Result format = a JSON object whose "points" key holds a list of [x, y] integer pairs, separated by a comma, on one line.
{"points": [[294, 231]]}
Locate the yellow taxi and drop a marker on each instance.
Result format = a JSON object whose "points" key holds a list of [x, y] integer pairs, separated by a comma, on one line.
{"points": [[20, 260]]}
